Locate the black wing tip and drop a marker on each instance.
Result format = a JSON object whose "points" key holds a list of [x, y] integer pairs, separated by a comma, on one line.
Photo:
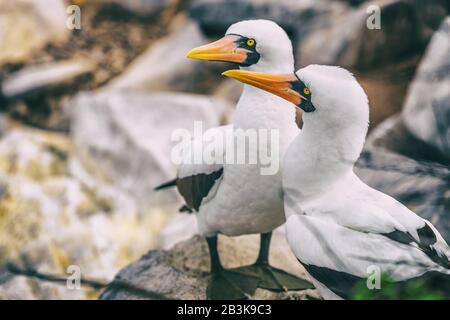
{"points": [[426, 235], [186, 209], [165, 185]]}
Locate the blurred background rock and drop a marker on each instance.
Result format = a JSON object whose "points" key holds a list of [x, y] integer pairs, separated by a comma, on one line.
{"points": [[86, 119]]}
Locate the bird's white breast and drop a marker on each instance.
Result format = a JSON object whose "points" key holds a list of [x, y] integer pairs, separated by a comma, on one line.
{"points": [[247, 201]]}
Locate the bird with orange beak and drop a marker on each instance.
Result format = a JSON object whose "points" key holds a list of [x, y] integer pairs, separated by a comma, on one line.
{"points": [[353, 232], [237, 199]]}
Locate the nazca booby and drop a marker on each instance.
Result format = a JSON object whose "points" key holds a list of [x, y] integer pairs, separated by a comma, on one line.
{"points": [[235, 199], [340, 229]]}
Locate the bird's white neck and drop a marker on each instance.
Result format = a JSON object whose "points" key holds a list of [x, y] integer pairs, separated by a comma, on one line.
{"points": [[322, 155], [258, 109]]}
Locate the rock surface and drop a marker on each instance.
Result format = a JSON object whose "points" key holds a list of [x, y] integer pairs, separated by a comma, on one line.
{"points": [[407, 156], [50, 220], [164, 66], [427, 107], [32, 79], [26, 26], [229, 90], [124, 138], [179, 227], [386, 88], [384, 60], [140, 6], [397, 163], [345, 39], [215, 16], [183, 272], [107, 54]]}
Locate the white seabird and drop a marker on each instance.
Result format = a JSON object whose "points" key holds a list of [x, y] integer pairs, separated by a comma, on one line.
{"points": [[236, 199], [340, 229]]}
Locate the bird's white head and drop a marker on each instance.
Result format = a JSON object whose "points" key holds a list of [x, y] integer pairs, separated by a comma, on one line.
{"points": [[336, 109], [255, 45], [335, 122], [327, 94], [331, 95]]}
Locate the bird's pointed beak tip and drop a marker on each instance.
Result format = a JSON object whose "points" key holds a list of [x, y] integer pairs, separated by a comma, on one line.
{"points": [[278, 84], [224, 49], [227, 73], [237, 74], [190, 54]]}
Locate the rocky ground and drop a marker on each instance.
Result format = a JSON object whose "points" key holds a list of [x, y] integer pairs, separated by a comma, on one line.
{"points": [[87, 116], [183, 272]]}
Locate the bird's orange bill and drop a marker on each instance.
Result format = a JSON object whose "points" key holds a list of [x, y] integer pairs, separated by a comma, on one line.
{"points": [[224, 49], [278, 84]]}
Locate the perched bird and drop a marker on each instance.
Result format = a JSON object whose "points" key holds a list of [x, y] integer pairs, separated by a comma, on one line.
{"points": [[236, 199], [350, 229]]}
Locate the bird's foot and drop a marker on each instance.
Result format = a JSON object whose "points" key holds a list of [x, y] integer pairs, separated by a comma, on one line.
{"points": [[231, 285], [274, 279]]}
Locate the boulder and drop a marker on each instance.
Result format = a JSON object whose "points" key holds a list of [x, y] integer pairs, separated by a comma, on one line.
{"points": [[384, 60], [329, 42], [215, 16], [38, 94], [386, 88], [50, 221], [345, 40], [183, 271], [140, 7], [406, 168], [27, 26], [37, 78], [164, 66], [427, 107], [179, 227], [124, 138], [229, 90]]}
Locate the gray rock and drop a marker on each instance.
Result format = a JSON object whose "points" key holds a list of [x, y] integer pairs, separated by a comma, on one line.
{"points": [[51, 220], [35, 78], [229, 90], [345, 39], [397, 163], [27, 26], [427, 107], [124, 138], [138, 6], [4, 125], [329, 42], [385, 60], [183, 272], [164, 66], [215, 16], [179, 227]]}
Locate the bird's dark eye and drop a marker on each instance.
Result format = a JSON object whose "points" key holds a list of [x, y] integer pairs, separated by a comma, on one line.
{"points": [[300, 87], [248, 45]]}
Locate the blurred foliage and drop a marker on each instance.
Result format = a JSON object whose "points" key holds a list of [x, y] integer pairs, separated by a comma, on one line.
{"points": [[432, 286]]}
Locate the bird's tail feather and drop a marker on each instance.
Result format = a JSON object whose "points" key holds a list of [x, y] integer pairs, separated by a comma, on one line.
{"points": [[168, 184]]}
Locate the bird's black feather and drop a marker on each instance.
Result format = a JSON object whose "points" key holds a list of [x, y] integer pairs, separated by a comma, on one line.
{"points": [[194, 188], [168, 184], [341, 283]]}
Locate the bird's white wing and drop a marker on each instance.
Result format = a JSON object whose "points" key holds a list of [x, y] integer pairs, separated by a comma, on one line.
{"points": [[340, 235], [197, 149], [338, 257], [201, 169], [346, 204], [423, 231], [353, 204]]}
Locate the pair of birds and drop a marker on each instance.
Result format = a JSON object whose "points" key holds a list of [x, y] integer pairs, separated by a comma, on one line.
{"points": [[336, 225]]}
